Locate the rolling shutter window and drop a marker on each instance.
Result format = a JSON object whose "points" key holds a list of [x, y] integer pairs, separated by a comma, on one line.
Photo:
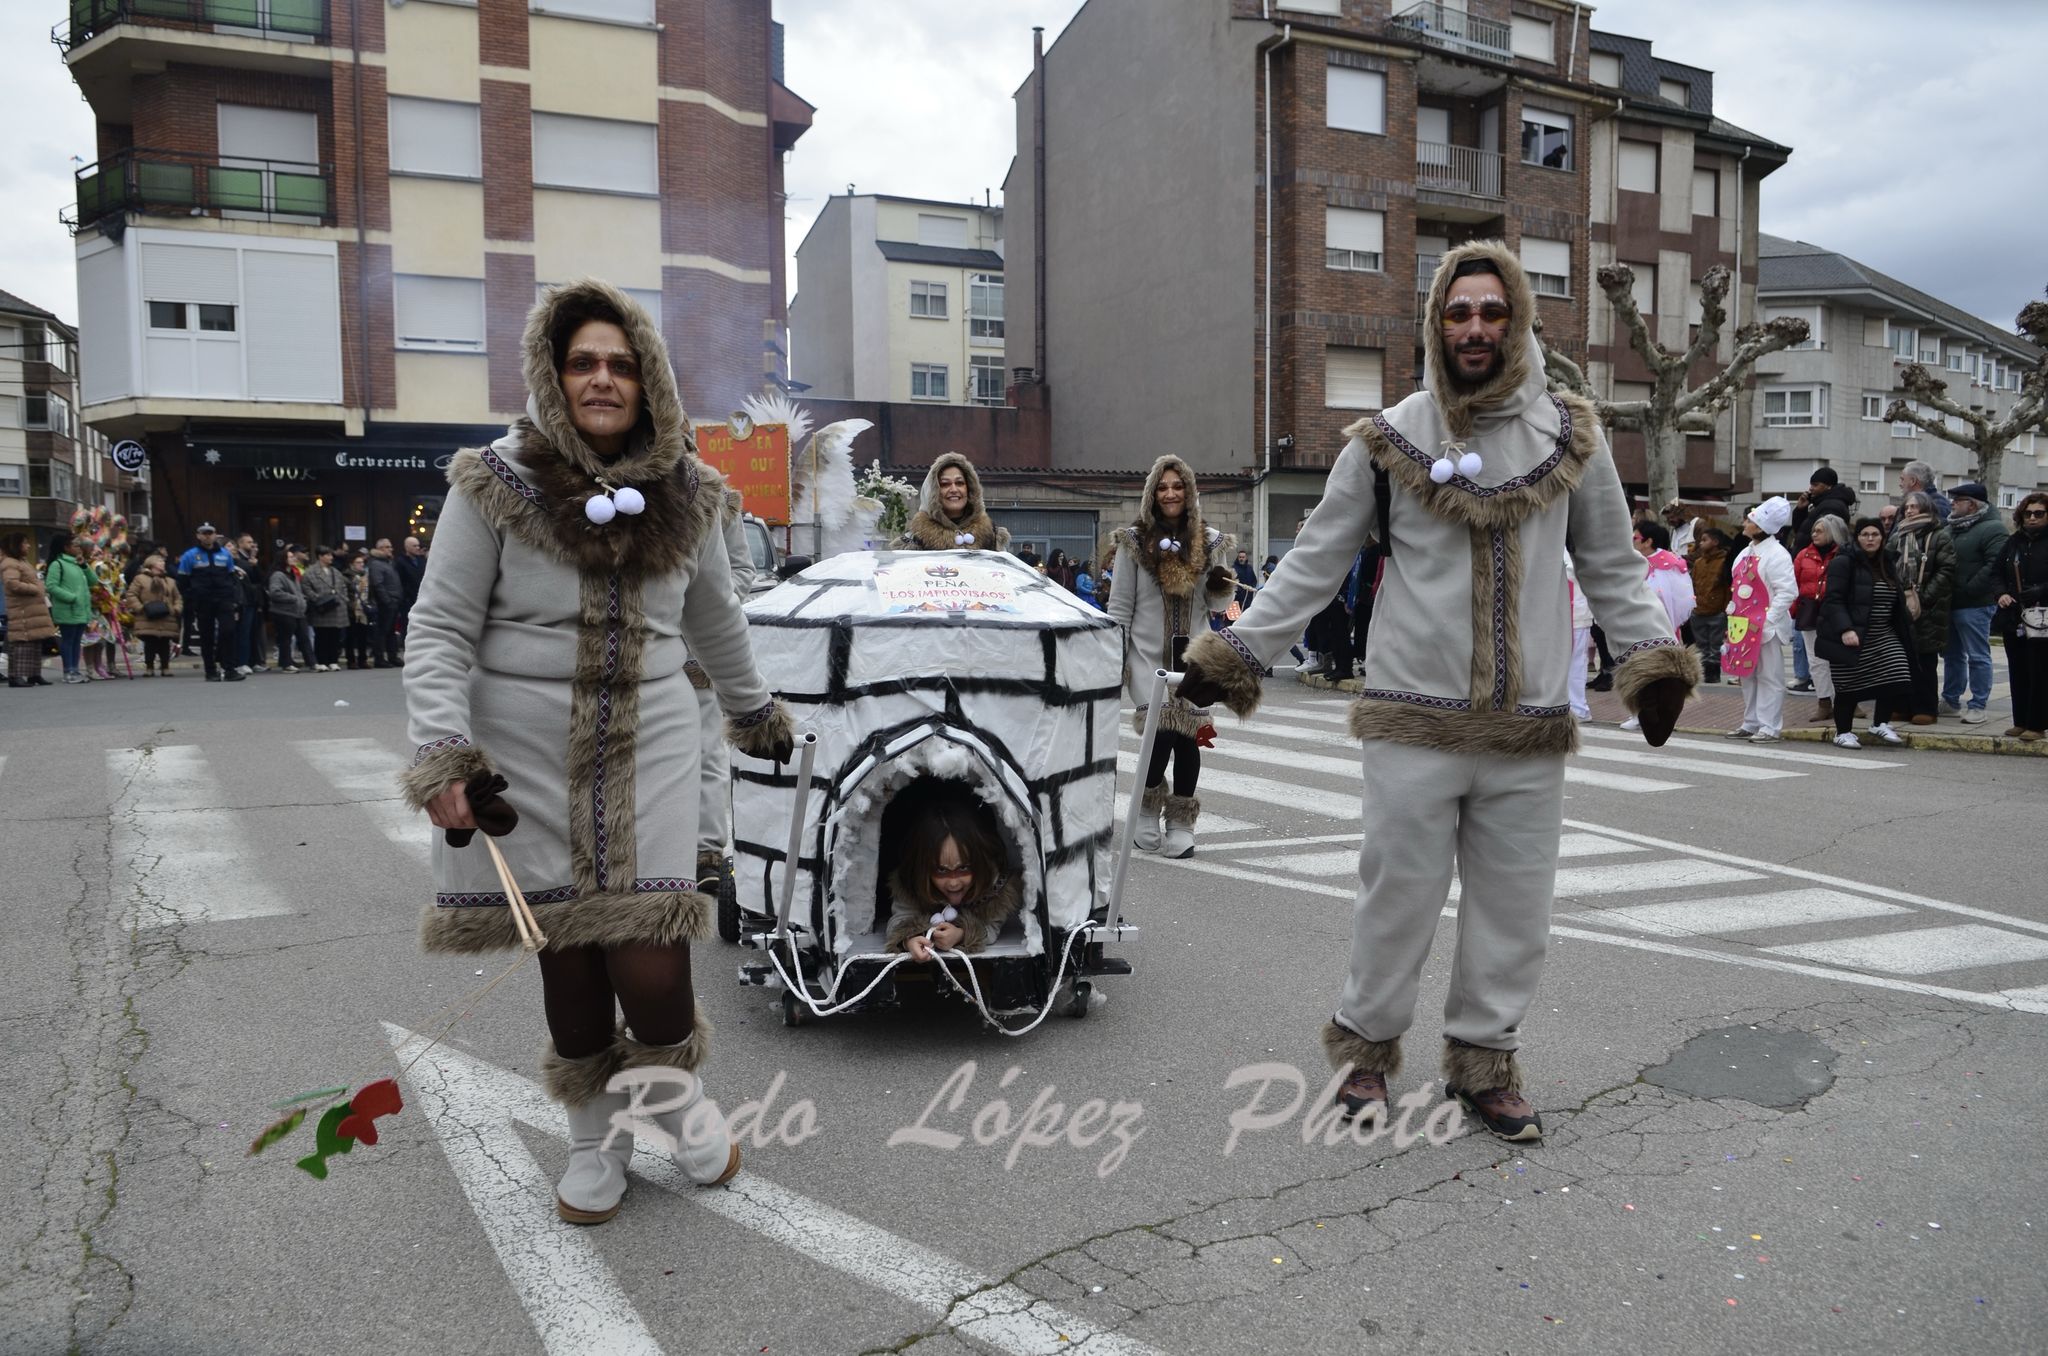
{"points": [[269, 134], [1357, 100], [1533, 38], [429, 136], [443, 313], [618, 11], [597, 154], [293, 323], [189, 273], [1607, 69], [1706, 193], [1552, 259], [947, 231], [1639, 167], [1351, 378]]}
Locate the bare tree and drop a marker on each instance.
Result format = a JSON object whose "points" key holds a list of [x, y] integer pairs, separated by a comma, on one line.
{"points": [[1673, 408], [1979, 433]]}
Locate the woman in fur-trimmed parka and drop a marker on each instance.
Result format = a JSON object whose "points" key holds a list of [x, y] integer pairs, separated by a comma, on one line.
{"points": [[574, 561], [1172, 572], [953, 516]]}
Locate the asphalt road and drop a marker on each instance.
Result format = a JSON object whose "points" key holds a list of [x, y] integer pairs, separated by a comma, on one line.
{"points": [[1789, 1048]]}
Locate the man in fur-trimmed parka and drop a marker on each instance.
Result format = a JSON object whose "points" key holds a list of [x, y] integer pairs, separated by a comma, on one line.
{"points": [[1464, 713], [952, 515]]}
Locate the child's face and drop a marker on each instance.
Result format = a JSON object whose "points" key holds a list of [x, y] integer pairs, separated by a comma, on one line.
{"points": [[951, 877]]}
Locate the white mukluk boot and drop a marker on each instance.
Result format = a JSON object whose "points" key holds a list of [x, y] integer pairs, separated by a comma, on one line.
{"points": [[595, 1183], [1181, 814], [704, 1148], [1146, 839]]}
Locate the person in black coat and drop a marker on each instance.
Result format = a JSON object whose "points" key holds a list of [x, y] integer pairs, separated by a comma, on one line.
{"points": [[1866, 634], [2022, 582], [388, 600], [1825, 494]]}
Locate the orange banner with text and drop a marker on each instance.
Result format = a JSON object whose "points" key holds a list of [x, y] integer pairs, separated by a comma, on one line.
{"points": [[757, 466]]}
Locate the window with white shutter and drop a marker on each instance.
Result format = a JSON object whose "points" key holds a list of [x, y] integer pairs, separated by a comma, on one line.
{"points": [[1706, 193], [1549, 265], [1534, 39], [439, 313], [1356, 100], [1606, 69], [948, 232], [435, 137], [614, 11], [1353, 239], [1352, 378], [598, 155], [1638, 166]]}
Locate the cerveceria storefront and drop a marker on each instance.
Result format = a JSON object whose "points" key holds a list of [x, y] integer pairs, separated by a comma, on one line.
{"points": [[289, 487]]}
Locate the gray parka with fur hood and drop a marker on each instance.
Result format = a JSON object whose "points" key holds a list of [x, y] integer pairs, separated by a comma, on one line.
{"points": [[550, 649]]}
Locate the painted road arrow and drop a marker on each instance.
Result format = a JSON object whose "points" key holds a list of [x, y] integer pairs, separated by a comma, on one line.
{"points": [[575, 1303]]}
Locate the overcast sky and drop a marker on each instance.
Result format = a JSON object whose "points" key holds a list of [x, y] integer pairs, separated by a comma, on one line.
{"points": [[1915, 148]]}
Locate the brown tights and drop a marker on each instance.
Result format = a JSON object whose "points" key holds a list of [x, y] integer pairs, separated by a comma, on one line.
{"points": [[582, 985]]}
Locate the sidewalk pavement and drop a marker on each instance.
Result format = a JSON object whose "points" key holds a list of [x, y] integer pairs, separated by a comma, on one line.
{"points": [[1718, 708]]}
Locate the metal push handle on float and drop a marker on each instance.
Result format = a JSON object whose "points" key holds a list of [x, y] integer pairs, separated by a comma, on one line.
{"points": [[807, 754], [1160, 680]]}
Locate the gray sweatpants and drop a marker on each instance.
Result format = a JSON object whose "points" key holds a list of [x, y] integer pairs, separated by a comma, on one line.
{"points": [[714, 778], [1498, 819]]}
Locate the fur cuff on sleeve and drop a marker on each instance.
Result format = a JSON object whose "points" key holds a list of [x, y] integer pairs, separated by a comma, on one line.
{"points": [[438, 766], [1232, 669], [1643, 666], [758, 732]]}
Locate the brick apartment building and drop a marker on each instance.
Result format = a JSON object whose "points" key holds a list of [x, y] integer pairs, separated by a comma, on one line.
{"points": [[1170, 302], [314, 228], [51, 463]]}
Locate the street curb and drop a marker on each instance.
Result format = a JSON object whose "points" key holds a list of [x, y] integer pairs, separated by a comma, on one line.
{"points": [[1945, 743]]}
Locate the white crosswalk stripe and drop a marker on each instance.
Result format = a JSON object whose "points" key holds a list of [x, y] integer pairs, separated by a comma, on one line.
{"points": [[1350, 767], [1744, 913], [1924, 951], [1212, 824], [179, 858], [366, 771]]}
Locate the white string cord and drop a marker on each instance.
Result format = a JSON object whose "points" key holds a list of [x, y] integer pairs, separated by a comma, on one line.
{"points": [[831, 1008]]}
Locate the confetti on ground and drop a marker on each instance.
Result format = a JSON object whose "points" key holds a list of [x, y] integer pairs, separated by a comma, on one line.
{"points": [[1731, 1304], [1628, 1207]]}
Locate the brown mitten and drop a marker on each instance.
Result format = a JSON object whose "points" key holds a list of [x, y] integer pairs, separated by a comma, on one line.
{"points": [[1220, 578], [488, 807], [1659, 707], [1197, 687]]}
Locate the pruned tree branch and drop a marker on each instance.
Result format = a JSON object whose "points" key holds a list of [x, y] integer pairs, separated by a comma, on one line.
{"points": [[1713, 315], [1752, 343], [1617, 283]]}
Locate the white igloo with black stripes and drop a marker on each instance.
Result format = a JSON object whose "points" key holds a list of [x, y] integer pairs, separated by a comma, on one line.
{"points": [[965, 666]]}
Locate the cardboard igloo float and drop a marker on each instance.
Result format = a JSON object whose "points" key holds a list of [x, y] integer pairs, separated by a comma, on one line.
{"points": [[966, 669]]}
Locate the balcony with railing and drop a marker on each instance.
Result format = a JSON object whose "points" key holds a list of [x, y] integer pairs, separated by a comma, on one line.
{"points": [[172, 183], [1458, 169], [1453, 30], [290, 20]]}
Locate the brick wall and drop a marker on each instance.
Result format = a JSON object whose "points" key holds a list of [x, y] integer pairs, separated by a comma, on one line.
{"points": [[372, 141], [178, 109], [507, 122], [501, 33], [383, 392], [713, 328], [508, 297]]}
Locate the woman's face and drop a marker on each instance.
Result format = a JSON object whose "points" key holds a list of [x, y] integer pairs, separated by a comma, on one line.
{"points": [[1871, 540], [953, 491], [1171, 496], [951, 876], [2034, 516], [601, 381], [155, 567], [1819, 536]]}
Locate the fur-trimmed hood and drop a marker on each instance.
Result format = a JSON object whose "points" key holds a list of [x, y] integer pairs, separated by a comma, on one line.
{"points": [[1519, 384], [535, 480], [933, 530], [661, 439], [1178, 572]]}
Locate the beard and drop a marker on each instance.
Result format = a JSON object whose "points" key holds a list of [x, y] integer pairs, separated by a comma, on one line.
{"points": [[1456, 371]]}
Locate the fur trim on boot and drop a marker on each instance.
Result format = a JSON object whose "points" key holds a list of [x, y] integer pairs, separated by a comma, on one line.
{"points": [[1475, 1068], [758, 734], [1231, 670], [1181, 812], [688, 1054], [1149, 810], [1342, 1045], [577, 1082]]}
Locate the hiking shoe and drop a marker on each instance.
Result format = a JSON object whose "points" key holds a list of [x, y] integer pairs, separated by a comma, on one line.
{"points": [[1887, 734], [1739, 733], [2030, 736], [1973, 716], [1764, 737], [2013, 732], [1508, 1115], [1364, 1095], [1845, 740]]}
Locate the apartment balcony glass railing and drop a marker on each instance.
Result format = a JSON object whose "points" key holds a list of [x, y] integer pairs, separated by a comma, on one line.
{"points": [[176, 184], [1458, 169], [1454, 31], [294, 19]]}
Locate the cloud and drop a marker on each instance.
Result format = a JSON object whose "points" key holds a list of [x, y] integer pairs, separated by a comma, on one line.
{"points": [[47, 123]]}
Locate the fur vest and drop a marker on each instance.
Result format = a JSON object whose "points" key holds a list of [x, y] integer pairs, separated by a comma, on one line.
{"points": [[931, 529]]}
